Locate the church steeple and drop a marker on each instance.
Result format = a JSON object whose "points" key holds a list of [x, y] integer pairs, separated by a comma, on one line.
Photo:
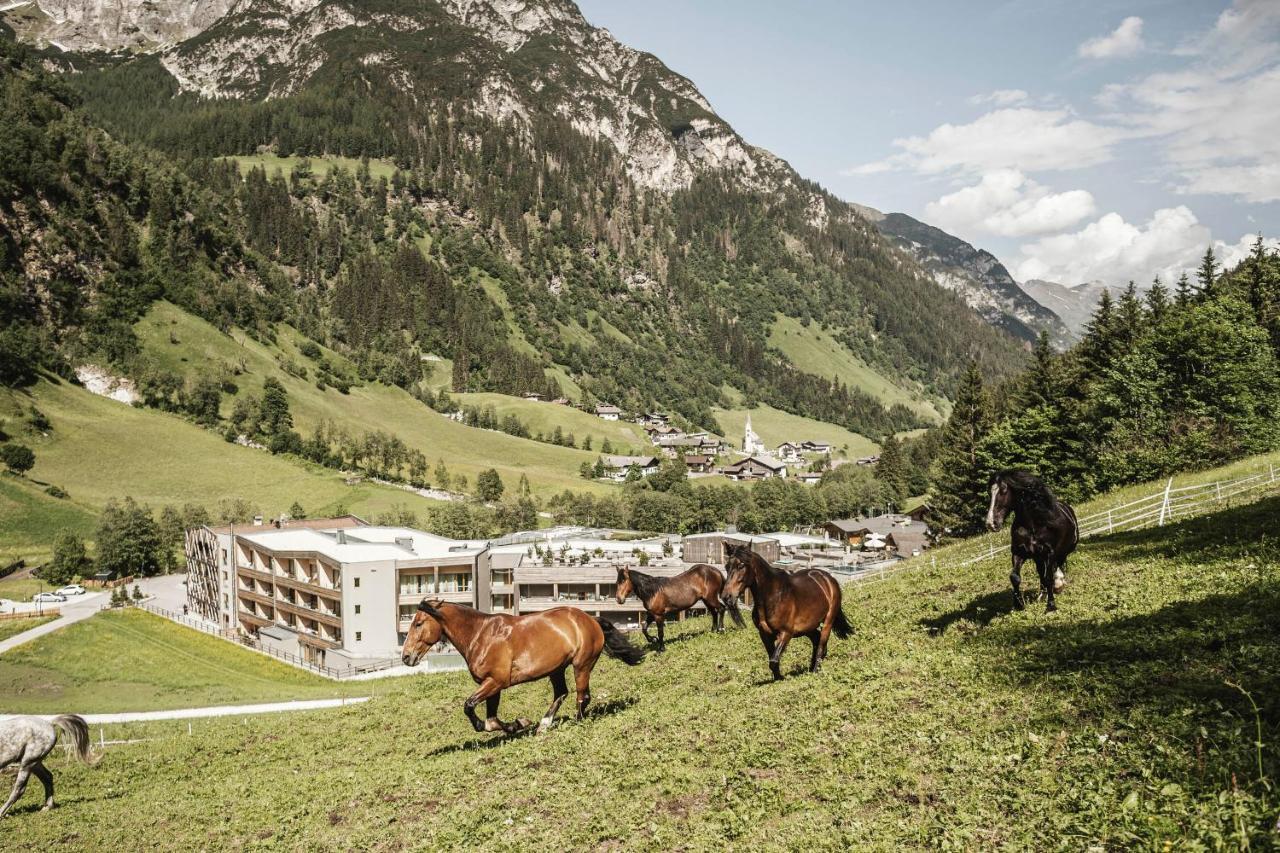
{"points": [[751, 443]]}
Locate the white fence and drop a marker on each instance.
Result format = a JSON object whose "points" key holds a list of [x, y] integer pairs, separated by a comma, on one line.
{"points": [[1153, 510]]}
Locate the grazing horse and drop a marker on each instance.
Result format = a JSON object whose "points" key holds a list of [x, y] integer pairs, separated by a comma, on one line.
{"points": [[1045, 530], [663, 596], [804, 603], [502, 651], [28, 740]]}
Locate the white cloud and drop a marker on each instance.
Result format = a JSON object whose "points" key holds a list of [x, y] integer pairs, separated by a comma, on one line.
{"points": [[1257, 183], [1125, 40], [1115, 251], [1020, 138], [1009, 204], [1001, 97]]}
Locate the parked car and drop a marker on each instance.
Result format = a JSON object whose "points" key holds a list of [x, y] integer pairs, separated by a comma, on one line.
{"points": [[48, 598], [72, 589]]}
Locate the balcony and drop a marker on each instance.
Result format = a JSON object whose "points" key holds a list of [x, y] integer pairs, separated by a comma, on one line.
{"points": [[254, 595], [252, 620], [250, 572], [528, 604], [308, 613], [299, 583]]}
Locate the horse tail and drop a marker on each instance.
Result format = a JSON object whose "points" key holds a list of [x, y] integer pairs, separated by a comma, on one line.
{"points": [[840, 625], [731, 605], [74, 727], [617, 646]]}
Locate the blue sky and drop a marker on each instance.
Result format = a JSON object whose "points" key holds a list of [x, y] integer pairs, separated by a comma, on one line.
{"points": [[1077, 141]]}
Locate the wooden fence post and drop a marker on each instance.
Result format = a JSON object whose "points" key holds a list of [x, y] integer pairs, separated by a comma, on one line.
{"points": [[1110, 525]]}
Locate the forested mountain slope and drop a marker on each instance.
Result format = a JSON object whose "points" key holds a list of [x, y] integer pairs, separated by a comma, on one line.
{"points": [[535, 155]]}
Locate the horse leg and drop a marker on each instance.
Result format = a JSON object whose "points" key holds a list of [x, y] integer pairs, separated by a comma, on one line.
{"points": [[1050, 569], [19, 786], [46, 779], [717, 615], [662, 642], [815, 659], [493, 723], [1015, 578], [559, 690], [648, 620], [489, 687], [582, 680], [775, 659]]}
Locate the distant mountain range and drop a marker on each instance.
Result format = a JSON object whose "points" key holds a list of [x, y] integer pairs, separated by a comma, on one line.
{"points": [[1073, 304]]}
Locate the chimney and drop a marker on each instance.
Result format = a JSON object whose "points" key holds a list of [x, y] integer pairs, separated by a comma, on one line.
{"points": [[405, 542], [342, 537]]}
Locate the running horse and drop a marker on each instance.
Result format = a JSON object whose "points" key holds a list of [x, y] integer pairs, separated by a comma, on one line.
{"points": [[27, 741], [665, 596], [1045, 530], [502, 651], [804, 603]]}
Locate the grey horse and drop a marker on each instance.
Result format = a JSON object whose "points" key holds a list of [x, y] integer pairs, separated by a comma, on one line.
{"points": [[27, 740]]}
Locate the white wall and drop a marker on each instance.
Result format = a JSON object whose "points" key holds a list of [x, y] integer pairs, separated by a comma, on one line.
{"points": [[377, 620]]}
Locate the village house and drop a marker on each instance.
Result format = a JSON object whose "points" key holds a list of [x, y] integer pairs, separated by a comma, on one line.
{"points": [[607, 412], [654, 419], [821, 447], [755, 468], [618, 467], [533, 395], [789, 451], [855, 531], [809, 478], [699, 463]]}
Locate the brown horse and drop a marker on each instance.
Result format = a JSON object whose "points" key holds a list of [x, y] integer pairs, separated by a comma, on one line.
{"points": [[502, 651], [787, 604], [665, 596]]}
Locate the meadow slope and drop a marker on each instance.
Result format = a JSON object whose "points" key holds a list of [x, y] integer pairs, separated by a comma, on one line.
{"points": [[948, 720]]}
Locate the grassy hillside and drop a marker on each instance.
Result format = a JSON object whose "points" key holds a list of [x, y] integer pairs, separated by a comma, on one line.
{"points": [[30, 518], [10, 627], [815, 351], [100, 449], [775, 426], [948, 720], [178, 341], [545, 417], [143, 662]]}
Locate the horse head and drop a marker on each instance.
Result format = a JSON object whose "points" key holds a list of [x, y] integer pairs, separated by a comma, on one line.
{"points": [[624, 584], [737, 566], [1001, 500], [424, 632]]}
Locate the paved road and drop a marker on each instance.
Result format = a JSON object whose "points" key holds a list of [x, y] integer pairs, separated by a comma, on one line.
{"points": [[213, 711], [73, 610]]}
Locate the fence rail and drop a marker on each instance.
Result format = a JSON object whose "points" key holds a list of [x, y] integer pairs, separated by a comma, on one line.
{"points": [[1153, 510]]}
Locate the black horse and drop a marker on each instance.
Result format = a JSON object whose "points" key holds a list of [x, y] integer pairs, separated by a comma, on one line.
{"points": [[1045, 530]]}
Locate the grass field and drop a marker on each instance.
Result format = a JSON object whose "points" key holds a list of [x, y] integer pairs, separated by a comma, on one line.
{"points": [[319, 165], [775, 426], [130, 660], [100, 449], [948, 721], [30, 519], [22, 588], [464, 449], [544, 417], [11, 627], [815, 351]]}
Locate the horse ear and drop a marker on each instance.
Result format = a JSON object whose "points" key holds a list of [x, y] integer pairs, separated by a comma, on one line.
{"points": [[425, 607]]}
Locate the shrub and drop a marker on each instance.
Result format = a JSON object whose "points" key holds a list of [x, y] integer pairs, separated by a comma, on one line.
{"points": [[18, 458]]}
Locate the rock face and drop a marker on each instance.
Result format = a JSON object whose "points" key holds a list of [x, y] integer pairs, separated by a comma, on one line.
{"points": [[1073, 304], [125, 24], [975, 274]]}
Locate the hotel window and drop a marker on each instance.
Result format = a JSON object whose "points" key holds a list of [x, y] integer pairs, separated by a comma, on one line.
{"points": [[359, 636], [415, 584], [455, 582], [357, 609], [356, 583]]}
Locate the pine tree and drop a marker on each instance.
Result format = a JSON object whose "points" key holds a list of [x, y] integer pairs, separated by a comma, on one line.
{"points": [[1040, 385], [1183, 293], [1129, 317], [891, 469], [1157, 302], [1207, 275], [1100, 338], [960, 483]]}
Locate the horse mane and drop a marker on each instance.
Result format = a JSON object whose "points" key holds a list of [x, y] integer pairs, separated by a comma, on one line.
{"points": [[1030, 493], [644, 585], [752, 557]]}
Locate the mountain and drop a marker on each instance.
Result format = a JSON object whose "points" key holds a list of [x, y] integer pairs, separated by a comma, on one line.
{"points": [[112, 24], [578, 213], [1073, 304], [975, 275]]}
